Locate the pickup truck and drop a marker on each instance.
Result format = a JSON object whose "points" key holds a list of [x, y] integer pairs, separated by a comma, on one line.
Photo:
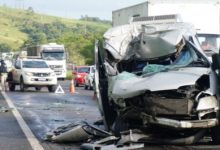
{"points": [[32, 73]]}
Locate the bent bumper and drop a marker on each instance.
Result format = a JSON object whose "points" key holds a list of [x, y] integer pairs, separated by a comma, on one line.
{"points": [[186, 124]]}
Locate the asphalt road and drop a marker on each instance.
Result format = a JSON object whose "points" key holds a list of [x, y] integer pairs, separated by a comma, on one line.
{"points": [[44, 111]]}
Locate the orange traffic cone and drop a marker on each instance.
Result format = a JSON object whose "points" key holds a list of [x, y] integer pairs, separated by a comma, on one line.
{"points": [[72, 88]]}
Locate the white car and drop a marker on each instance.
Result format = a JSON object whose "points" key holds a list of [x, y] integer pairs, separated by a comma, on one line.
{"points": [[32, 73], [89, 78]]}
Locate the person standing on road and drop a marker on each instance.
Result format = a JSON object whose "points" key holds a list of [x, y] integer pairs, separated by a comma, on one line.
{"points": [[3, 71]]}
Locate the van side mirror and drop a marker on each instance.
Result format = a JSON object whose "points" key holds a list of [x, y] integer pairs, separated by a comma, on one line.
{"points": [[215, 61]]}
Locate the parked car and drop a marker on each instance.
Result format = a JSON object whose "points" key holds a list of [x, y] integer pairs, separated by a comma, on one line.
{"points": [[154, 80], [89, 78], [79, 72], [32, 73]]}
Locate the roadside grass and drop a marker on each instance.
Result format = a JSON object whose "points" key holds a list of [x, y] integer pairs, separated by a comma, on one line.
{"points": [[10, 34], [11, 23], [69, 75]]}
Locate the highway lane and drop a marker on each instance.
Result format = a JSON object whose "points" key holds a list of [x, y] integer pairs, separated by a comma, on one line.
{"points": [[44, 111]]}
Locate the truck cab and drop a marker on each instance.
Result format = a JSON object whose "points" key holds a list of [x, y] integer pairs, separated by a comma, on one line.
{"points": [[54, 55]]}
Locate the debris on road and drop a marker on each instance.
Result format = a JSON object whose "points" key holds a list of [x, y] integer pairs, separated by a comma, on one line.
{"points": [[96, 138], [129, 140], [112, 147], [76, 132], [5, 109]]}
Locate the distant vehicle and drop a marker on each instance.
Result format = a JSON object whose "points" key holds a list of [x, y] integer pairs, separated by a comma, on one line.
{"points": [[210, 42], [53, 54], [89, 78], [79, 73], [32, 73]]}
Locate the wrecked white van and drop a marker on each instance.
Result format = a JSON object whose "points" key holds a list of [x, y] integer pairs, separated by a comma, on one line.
{"points": [[152, 76]]}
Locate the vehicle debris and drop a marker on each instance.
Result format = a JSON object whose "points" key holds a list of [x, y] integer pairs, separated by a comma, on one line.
{"points": [[152, 75], [76, 132], [134, 146], [128, 140]]}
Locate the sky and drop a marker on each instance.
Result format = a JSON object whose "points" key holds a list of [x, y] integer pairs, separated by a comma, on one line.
{"points": [[204, 17], [204, 14], [73, 8]]}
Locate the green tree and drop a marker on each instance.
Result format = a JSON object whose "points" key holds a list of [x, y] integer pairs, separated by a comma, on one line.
{"points": [[4, 47]]}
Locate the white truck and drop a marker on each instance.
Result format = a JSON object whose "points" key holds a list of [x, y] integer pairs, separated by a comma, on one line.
{"points": [[53, 54]]}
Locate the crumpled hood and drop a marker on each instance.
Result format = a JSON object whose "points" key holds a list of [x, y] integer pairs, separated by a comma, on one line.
{"points": [[126, 85], [141, 40]]}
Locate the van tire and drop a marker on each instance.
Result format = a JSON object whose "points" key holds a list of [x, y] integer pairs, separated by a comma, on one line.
{"points": [[11, 86], [22, 85]]}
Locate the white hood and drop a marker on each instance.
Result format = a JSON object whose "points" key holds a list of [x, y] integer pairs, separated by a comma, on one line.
{"points": [[126, 85], [38, 70]]}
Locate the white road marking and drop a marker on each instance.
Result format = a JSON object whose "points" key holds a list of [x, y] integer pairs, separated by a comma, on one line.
{"points": [[35, 144]]}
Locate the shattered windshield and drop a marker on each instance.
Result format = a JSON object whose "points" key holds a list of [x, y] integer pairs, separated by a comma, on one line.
{"points": [[186, 57], [53, 55]]}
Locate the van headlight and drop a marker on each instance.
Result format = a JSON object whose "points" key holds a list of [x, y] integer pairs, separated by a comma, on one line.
{"points": [[29, 73], [207, 103]]}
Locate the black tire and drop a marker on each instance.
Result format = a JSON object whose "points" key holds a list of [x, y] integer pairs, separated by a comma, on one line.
{"points": [[76, 84], [215, 134], [61, 79], [90, 86], [51, 88], [85, 87], [22, 85], [11, 86], [9, 77], [37, 88]]}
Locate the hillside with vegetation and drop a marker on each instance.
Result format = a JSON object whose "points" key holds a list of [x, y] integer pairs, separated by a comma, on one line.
{"points": [[20, 28]]}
